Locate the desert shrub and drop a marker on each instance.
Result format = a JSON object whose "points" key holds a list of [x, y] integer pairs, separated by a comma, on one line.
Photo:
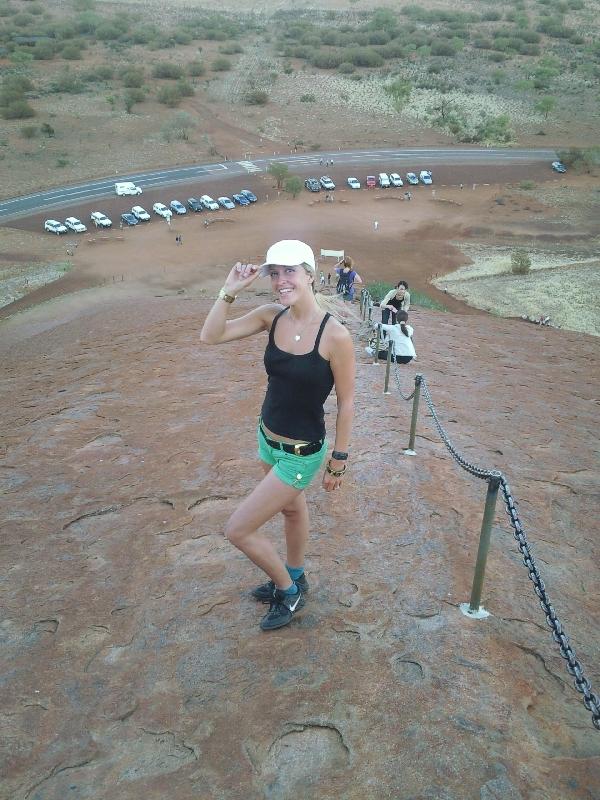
{"points": [[491, 16], [71, 52], [23, 20], [527, 185], [364, 57], [62, 161], [17, 109], [495, 129], [168, 70], [580, 159], [132, 97], [356, 76], [399, 90], [346, 68], [442, 47], [308, 98], [256, 97], [67, 82], [327, 59], [520, 263], [102, 72], [169, 95], [185, 88], [133, 78], [231, 48], [44, 50], [144, 34], [29, 131], [196, 68], [108, 32], [221, 64]]}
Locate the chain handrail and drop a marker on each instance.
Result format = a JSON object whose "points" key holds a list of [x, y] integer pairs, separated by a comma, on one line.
{"points": [[591, 700]]}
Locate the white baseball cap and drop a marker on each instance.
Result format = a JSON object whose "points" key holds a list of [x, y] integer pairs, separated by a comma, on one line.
{"points": [[288, 253]]}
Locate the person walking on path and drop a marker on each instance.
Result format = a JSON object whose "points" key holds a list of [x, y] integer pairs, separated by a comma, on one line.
{"points": [[347, 277], [308, 352], [375, 225], [395, 300]]}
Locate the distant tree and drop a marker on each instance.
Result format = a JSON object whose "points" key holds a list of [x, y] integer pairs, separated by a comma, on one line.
{"points": [[280, 172], [133, 78], [293, 185], [545, 106], [520, 262]]}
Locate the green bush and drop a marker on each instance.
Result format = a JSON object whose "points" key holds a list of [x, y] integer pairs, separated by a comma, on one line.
{"points": [[44, 50], [185, 88], [67, 82], [256, 97], [29, 131], [17, 109], [71, 52], [196, 68], [327, 59], [108, 32], [520, 263], [132, 97], [221, 64], [346, 68], [441, 47], [169, 96], [133, 78], [527, 185], [102, 72], [231, 49], [168, 70], [365, 57], [308, 98]]}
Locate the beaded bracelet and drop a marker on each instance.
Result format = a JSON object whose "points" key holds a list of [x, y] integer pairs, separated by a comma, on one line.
{"points": [[337, 473]]}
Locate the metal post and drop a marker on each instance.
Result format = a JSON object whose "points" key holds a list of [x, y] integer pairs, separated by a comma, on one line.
{"points": [[370, 310], [388, 363], [410, 451], [489, 511], [377, 341]]}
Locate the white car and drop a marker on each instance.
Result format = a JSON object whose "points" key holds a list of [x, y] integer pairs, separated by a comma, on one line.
{"points": [[100, 220], [162, 210], [54, 226], [395, 179], [177, 207], [354, 183], [412, 179], [327, 183], [127, 188], [209, 203], [75, 224], [425, 177], [383, 180], [225, 202], [140, 213]]}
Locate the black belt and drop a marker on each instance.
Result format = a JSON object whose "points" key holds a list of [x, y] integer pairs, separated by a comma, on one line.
{"points": [[294, 449]]}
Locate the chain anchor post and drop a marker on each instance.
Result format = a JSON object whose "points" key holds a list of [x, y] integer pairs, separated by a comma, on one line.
{"points": [[388, 364], [410, 450], [377, 343], [370, 310], [474, 609]]}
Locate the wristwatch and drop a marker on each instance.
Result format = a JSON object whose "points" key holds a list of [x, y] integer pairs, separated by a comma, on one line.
{"points": [[223, 295]]}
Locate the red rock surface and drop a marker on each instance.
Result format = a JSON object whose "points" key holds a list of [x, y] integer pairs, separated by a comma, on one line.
{"points": [[133, 663]]}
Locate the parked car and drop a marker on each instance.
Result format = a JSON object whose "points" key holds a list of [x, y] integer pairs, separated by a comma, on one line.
{"points": [[426, 177], [162, 210], [371, 181], [75, 224], [248, 195], [327, 183], [126, 187], [412, 179], [225, 202], [558, 166], [240, 199], [129, 219], [194, 204], [312, 184], [54, 226], [383, 180], [354, 183], [100, 220], [177, 207], [395, 179], [140, 213], [209, 203]]}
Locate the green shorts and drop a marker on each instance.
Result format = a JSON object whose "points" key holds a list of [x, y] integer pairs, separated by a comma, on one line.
{"points": [[296, 471]]}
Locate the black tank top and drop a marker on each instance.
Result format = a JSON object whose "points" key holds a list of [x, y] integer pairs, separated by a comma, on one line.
{"points": [[297, 389]]}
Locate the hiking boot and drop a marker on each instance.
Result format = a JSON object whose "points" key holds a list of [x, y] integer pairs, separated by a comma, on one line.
{"points": [[282, 609], [264, 592]]}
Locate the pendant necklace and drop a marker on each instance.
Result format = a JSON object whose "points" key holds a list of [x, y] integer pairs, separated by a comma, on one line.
{"points": [[298, 335]]}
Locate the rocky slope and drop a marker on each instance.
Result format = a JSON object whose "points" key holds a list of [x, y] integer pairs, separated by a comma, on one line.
{"points": [[133, 663]]}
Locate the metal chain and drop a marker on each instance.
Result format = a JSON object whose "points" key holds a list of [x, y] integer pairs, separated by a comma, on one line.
{"points": [[397, 376], [590, 700]]}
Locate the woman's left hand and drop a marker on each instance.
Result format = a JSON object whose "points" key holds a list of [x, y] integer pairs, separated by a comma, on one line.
{"points": [[331, 482]]}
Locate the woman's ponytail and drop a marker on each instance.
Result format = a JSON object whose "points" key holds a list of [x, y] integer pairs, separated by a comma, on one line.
{"points": [[401, 319]]}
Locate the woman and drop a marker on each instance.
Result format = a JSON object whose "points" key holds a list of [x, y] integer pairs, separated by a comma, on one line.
{"points": [[308, 353], [347, 277], [400, 336], [397, 299]]}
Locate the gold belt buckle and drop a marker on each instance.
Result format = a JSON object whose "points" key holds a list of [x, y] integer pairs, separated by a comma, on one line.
{"points": [[297, 449]]}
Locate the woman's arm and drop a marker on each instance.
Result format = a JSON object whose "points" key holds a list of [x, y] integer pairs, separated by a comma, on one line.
{"points": [[343, 366], [406, 301], [217, 329]]}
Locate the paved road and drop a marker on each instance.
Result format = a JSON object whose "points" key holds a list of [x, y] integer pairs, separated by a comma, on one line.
{"points": [[354, 160]]}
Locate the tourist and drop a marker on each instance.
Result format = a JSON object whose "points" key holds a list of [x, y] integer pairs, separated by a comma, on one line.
{"points": [[395, 300]]}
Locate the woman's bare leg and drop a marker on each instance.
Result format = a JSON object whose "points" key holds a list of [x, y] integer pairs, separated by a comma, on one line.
{"points": [[242, 529], [295, 527]]}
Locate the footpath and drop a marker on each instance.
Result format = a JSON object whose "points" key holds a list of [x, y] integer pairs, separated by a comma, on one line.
{"points": [[133, 664]]}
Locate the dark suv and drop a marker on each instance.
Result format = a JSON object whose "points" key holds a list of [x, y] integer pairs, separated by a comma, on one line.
{"points": [[312, 184], [194, 204]]}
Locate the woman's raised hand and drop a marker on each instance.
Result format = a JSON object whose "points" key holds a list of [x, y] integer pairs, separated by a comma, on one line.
{"points": [[241, 276]]}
